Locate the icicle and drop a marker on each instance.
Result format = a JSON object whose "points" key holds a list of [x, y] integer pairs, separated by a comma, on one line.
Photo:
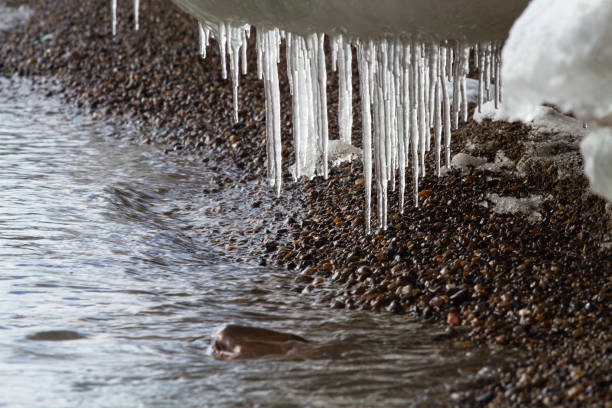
{"points": [[487, 70], [392, 133], [456, 85], [202, 42], [438, 79], [300, 107], [449, 61], [386, 124], [446, 104], [310, 119], [322, 77], [363, 58], [136, 9], [434, 54], [345, 85], [259, 46], [378, 120], [271, 86], [312, 44], [334, 51], [222, 48], [400, 125], [481, 64], [406, 98], [243, 47], [414, 126], [423, 129], [497, 76], [114, 16], [426, 110], [382, 168], [236, 47]]}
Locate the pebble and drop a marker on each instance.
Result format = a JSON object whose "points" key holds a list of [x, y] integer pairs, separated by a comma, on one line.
{"points": [[453, 319]]}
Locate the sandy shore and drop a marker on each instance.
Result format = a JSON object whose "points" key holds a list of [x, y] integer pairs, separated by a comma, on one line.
{"points": [[538, 281]]}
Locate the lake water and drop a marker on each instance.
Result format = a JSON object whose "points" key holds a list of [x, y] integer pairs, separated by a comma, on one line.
{"points": [[115, 243]]}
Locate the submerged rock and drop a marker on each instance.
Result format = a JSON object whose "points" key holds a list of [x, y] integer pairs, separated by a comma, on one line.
{"points": [[56, 335], [243, 342]]}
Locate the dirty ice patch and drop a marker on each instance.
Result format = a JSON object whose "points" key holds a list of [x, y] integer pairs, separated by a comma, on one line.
{"points": [[464, 161], [11, 17], [542, 118], [511, 205]]}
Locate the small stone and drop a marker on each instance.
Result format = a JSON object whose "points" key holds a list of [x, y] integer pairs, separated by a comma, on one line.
{"points": [[575, 391], [453, 319], [337, 304], [364, 271], [459, 297], [394, 307], [309, 271], [303, 279], [436, 302]]}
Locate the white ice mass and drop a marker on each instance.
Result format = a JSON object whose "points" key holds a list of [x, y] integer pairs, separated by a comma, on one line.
{"points": [[560, 52], [413, 59], [10, 16]]}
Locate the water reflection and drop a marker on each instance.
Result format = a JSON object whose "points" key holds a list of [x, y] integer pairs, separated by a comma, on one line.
{"points": [[112, 250]]}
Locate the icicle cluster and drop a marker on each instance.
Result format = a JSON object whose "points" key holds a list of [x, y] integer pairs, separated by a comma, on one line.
{"points": [[411, 92], [232, 41], [308, 86], [114, 15], [406, 103]]}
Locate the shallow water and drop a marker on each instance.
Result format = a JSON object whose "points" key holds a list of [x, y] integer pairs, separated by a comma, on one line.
{"points": [[114, 246]]}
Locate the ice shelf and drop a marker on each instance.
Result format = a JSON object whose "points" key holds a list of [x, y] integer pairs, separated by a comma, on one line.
{"points": [[465, 20]]}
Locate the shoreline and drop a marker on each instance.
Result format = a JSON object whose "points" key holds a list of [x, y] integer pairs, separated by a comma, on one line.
{"points": [[541, 286]]}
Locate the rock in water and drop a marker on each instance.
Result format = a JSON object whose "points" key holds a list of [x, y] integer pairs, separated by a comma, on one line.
{"points": [[56, 335], [243, 342]]}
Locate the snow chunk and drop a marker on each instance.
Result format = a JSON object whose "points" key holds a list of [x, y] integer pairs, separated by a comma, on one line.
{"points": [[597, 152], [543, 118], [559, 52], [340, 152], [488, 111], [464, 161], [511, 205], [10, 16], [502, 162]]}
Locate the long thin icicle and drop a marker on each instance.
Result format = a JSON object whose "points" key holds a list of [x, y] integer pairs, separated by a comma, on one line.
{"points": [[136, 11], [271, 46], [365, 59], [114, 16], [345, 88]]}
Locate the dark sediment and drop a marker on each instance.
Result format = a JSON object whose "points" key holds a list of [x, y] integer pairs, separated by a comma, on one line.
{"points": [[543, 287]]}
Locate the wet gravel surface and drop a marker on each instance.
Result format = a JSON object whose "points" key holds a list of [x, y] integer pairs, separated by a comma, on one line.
{"points": [[542, 286]]}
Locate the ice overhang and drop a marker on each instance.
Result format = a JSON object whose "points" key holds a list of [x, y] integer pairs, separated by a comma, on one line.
{"points": [[467, 20]]}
